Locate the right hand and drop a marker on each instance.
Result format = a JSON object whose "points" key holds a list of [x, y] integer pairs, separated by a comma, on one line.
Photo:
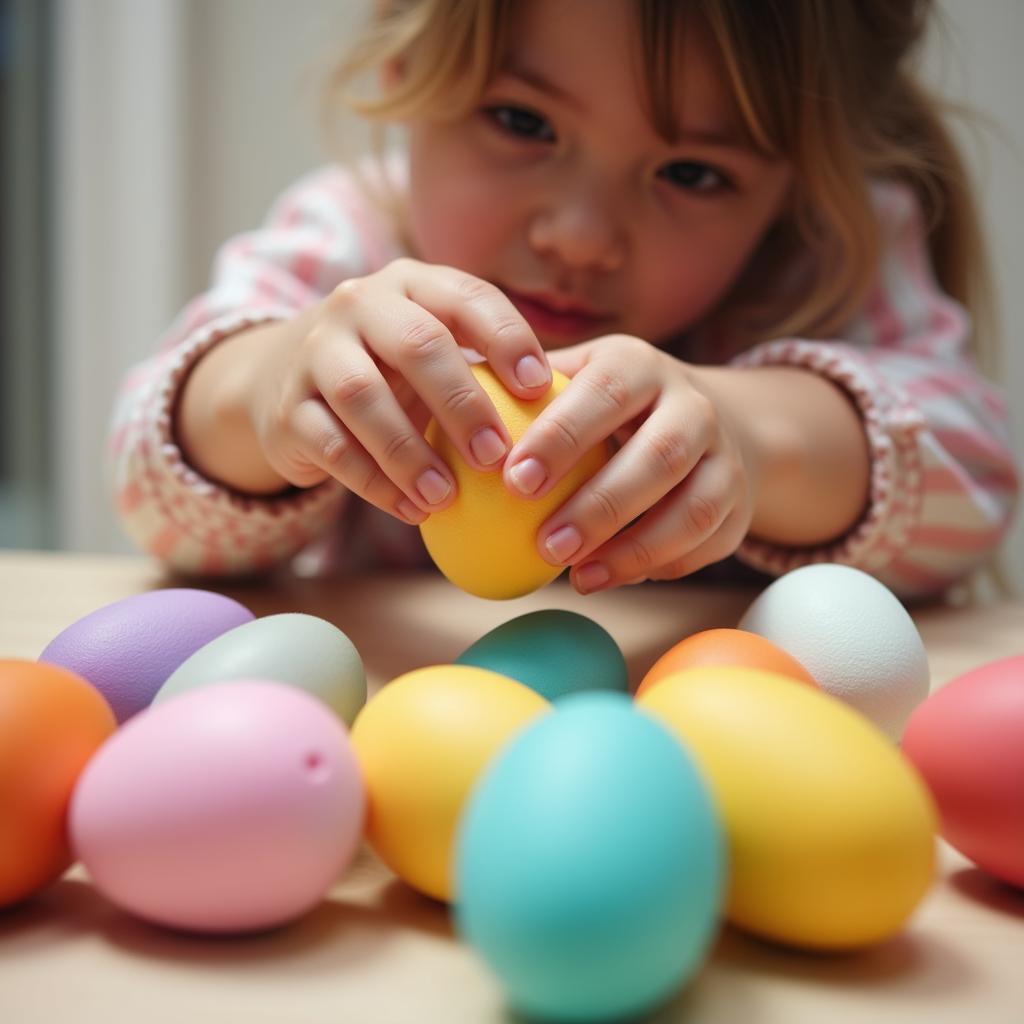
{"points": [[348, 393]]}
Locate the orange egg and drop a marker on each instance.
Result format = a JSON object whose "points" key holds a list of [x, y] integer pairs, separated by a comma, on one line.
{"points": [[51, 723], [725, 647]]}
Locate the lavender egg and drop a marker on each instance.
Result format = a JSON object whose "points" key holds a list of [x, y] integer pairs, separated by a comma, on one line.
{"points": [[128, 649]]}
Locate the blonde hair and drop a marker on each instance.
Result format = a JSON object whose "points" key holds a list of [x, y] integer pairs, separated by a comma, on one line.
{"points": [[824, 83]]}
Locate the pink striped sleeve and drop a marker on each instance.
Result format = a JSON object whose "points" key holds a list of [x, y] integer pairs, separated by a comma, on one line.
{"points": [[944, 482], [320, 232]]}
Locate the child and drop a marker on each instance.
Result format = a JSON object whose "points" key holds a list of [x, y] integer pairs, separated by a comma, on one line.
{"points": [[741, 230]]}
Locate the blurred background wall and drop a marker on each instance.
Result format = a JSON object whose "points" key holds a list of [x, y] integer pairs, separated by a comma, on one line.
{"points": [[139, 134]]}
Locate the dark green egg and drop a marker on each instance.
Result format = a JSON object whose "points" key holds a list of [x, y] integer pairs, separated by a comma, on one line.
{"points": [[554, 652]]}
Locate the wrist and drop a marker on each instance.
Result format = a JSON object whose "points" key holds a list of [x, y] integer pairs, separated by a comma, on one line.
{"points": [[214, 418], [761, 439], [805, 447]]}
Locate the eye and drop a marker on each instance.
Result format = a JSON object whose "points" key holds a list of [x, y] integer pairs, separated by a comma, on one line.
{"points": [[694, 176], [521, 123]]}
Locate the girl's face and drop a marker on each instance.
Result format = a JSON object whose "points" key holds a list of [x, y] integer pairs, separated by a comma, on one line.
{"points": [[557, 188]]}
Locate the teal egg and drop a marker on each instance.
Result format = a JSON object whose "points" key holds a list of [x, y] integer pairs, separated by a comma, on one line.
{"points": [[590, 864], [554, 652], [301, 650]]}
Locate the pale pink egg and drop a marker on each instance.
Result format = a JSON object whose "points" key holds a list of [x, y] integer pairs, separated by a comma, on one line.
{"points": [[231, 808]]}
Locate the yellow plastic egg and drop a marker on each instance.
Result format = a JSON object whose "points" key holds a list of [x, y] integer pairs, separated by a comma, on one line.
{"points": [[421, 743], [486, 541], [831, 830]]}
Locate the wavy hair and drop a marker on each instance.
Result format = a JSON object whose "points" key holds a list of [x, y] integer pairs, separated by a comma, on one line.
{"points": [[827, 84]]}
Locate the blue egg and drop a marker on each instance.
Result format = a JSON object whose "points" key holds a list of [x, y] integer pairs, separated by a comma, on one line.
{"points": [[590, 863], [554, 652]]}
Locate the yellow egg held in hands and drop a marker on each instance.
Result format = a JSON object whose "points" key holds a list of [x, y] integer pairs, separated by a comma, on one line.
{"points": [[486, 541]]}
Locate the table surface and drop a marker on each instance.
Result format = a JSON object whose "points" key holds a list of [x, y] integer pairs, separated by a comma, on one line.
{"points": [[376, 952]]}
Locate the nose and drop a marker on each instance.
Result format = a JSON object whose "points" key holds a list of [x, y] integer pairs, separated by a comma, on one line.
{"points": [[580, 231]]}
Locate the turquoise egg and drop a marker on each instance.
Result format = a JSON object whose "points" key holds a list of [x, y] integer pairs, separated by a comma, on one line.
{"points": [[590, 864], [554, 652]]}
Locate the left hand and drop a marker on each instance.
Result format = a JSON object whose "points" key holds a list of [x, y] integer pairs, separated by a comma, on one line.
{"points": [[678, 493]]}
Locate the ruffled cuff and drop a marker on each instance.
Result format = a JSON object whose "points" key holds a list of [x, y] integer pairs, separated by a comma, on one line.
{"points": [[188, 521], [893, 426]]}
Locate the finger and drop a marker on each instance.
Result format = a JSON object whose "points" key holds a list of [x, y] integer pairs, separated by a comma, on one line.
{"points": [[420, 347], [482, 317], [319, 440], [651, 463], [413, 407], [571, 359], [410, 403], [720, 545], [360, 398], [680, 523], [609, 391]]}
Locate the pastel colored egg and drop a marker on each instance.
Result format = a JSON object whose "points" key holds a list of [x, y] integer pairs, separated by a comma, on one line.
{"points": [[486, 541], [422, 742], [232, 808], [967, 740], [830, 829], [851, 634], [725, 647], [128, 649], [51, 723], [295, 648], [554, 652], [590, 865]]}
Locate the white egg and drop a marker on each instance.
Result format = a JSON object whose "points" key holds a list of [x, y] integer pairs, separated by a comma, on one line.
{"points": [[852, 634], [295, 648]]}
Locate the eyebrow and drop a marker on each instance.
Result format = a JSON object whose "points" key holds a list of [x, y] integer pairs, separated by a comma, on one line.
{"points": [[542, 84], [721, 138]]}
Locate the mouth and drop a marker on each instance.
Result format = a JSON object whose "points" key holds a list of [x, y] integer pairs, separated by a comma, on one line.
{"points": [[549, 313]]}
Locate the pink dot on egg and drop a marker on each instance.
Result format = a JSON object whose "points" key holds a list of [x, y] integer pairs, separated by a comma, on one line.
{"points": [[317, 769]]}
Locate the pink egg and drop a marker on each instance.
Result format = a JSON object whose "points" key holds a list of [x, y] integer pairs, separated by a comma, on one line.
{"points": [[231, 808], [967, 740]]}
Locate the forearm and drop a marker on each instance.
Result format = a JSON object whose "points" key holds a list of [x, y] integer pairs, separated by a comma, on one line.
{"points": [[807, 448], [181, 517], [212, 422]]}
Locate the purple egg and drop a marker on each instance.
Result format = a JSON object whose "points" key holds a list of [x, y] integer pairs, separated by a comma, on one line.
{"points": [[128, 649]]}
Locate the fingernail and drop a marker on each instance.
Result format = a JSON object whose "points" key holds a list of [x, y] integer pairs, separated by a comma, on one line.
{"points": [[564, 543], [527, 476], [407, 510], [433, 487], [591, 576], [487, 446], [530, 372]]}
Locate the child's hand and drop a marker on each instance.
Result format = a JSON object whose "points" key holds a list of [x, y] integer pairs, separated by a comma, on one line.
{"points": [[684, 471], [348, 392]]}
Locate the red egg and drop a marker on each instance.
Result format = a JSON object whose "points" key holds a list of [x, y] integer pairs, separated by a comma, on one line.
{"points": [[967, 740]]}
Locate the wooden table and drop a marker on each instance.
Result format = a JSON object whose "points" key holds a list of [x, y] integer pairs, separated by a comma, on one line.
{"points": [[375, 952]]}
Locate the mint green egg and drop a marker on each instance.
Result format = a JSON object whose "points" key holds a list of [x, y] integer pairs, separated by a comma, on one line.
{"points": [[590, 864], [295, 648], [554, 652]]}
